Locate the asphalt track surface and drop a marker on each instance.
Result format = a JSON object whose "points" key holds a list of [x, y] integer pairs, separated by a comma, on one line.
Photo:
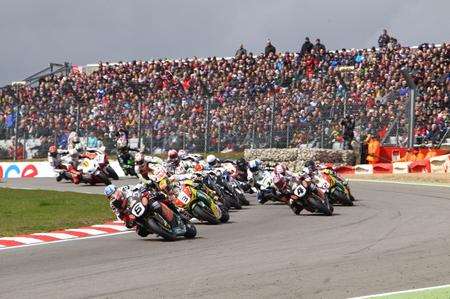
{"points": [[396, 237]]}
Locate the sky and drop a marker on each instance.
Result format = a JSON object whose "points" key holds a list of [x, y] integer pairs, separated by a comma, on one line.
{"points": [[34, 33]]}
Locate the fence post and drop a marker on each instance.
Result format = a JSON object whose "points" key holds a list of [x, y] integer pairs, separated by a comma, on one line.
{"points": [[322, 135], [151, 141], [16, 124], [219, 136], [272, 122], [287, 135], [139, 121], [205, 148]]}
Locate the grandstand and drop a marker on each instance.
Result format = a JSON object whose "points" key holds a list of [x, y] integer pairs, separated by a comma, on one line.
{"points": [[276, 100]]}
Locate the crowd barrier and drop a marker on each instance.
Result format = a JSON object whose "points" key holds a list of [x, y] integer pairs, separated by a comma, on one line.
{"points": [[438, 164]]}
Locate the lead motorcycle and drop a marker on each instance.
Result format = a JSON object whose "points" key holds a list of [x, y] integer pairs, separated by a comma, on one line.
{"points": [[157, 218], [92, 173]]}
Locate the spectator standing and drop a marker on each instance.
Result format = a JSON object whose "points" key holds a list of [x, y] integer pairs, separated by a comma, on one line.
{"points": [[269, 49], [241, 51], [384, 39], [319, 46], [348, 126], [306, 47]]}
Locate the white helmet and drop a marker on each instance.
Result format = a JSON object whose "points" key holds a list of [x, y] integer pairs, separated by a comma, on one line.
{"points": [[182, 154], [211, 159]]}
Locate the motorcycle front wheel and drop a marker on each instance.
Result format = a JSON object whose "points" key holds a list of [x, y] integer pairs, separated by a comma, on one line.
{"points": [[157, 229], [203, 214]]}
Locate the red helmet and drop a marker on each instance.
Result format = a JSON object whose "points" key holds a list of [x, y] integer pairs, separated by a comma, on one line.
{"points": [[52, 149], [172, 155]]}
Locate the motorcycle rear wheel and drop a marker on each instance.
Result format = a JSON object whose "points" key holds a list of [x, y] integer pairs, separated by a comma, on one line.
{"points": [[342, 198]]}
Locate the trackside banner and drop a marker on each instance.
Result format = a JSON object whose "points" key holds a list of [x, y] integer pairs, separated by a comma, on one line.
{"points": [[36, 170]]}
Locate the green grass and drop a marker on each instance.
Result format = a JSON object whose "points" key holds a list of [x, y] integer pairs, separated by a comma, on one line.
{"points": [[31, 211], [439, 293]]}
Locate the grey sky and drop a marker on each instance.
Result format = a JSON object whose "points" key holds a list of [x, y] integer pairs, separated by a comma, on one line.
{"points": [[36, 32]]}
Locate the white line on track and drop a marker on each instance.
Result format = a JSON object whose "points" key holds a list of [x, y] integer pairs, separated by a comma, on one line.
{"points": [[66, 240], [402, 292]]}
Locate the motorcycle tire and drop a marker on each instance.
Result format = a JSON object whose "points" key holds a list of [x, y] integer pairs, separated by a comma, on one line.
{"points": [[160, 231], [342, 198], [111, 173], [205, 215], [225, 215], [244, 201], [191, 230], [234, 200], [104, 179], [323, 207], [352, 198]]}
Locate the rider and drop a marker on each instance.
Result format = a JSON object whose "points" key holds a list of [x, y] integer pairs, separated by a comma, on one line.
{"points": [[146, 167], [123, 199], [175, 165], [56, 159]]}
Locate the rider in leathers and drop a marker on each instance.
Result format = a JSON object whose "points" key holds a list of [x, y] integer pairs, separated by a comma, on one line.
{"points": [[122, 199]]}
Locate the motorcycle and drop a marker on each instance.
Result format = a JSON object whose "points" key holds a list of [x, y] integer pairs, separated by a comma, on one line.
{"points": [[127, 163], [265, 188], [338, 192], [92, 173], [311, 198], [198, 204], [159, 219], [103, 163]]}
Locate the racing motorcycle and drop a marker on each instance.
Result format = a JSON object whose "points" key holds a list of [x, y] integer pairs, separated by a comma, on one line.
{"points": [[338, 192], [312, 198], [265, 187], [127, 163], [157, 218], [92, 173], [103, 163], [198, 204]]}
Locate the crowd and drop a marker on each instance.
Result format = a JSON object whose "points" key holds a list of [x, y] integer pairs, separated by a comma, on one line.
{"points": [[298, 92]]}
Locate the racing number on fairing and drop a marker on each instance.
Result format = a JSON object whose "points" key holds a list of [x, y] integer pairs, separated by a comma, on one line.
{"points": [[183, 197], [138, 209]]}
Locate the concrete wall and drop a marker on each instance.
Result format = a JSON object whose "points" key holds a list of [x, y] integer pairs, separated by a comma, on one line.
{"points": [[294, 158]]}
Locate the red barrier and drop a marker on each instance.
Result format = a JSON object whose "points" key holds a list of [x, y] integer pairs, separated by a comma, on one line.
{"points": [[345, 169], [382, 168], [420, 166]]}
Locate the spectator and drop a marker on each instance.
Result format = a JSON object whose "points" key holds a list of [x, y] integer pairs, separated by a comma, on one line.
{"points": [[318, 46], [383, 39], [307, 47], [241, 51], [270, 49], [348, 127]]}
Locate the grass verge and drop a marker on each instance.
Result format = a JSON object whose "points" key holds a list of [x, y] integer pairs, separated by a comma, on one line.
{"points": [[31, 211]]}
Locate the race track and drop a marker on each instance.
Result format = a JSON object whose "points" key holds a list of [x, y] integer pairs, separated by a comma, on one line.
{"points": [[396, 237]]}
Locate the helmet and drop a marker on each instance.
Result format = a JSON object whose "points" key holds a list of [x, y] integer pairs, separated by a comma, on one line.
{"points": [[76, 139], [211, 159], [182, 154], [172, 155], [139, 158], [254, 165], [53, 150], [280, 169], [109, 190]]}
